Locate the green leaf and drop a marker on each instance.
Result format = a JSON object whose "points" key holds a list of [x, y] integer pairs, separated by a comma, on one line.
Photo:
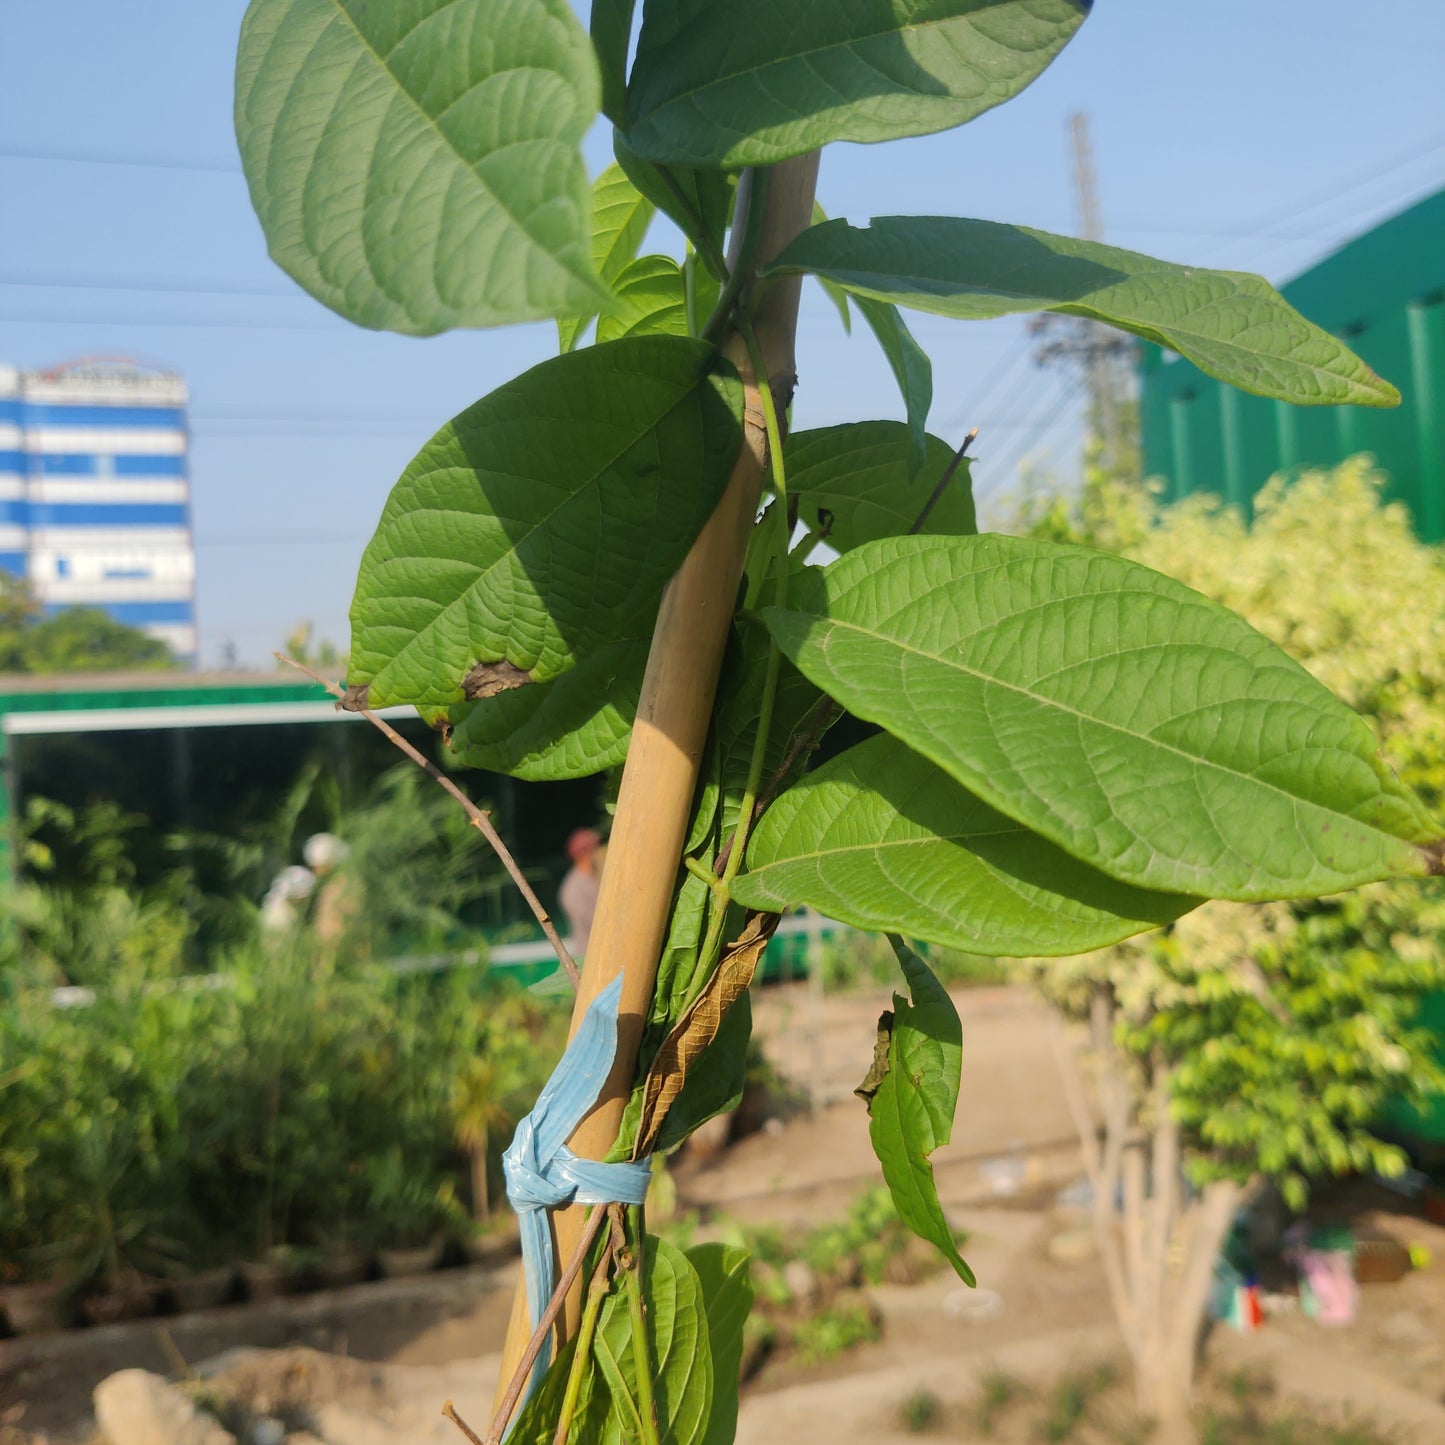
{"points": [[536, 1421], [754, 82], [679, 1346], [860, 473], [1230, 324], [649, 301], [611, 35], [911, 369], [700, 202], [735, 728], [417, 167], [543, 521], [881, 838], [1139, 726], [911, 1113], [839, 297], [621, 215], [835, 293], [722, 1270], [572, 727]]}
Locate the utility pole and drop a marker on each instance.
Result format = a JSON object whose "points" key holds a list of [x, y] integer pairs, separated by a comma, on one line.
{"points": [[1102, 354]]}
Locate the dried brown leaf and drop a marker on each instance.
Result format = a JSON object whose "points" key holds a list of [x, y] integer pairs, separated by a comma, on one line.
{"points": [[698, 1026], [487, 679], [878, 1069]]}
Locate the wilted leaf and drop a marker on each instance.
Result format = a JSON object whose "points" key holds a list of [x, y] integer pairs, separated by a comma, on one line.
{"points": [[911, 1112], [699, 1025]]}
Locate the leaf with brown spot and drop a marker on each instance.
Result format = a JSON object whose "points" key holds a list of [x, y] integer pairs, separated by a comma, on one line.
{"points": [[878, 1069], [357, 698], [487, 679], [698, 1026]]}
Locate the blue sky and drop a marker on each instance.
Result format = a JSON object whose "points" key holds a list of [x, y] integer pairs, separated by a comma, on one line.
{"points": [[1252, 134]]}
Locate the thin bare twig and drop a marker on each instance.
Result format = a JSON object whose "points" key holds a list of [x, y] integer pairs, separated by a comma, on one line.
{"points": [[520, 1375], [450, 1411], [943, 482], [480, 820]]}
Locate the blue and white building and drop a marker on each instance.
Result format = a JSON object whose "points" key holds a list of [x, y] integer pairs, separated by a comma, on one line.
{"points": [[95, 493]]}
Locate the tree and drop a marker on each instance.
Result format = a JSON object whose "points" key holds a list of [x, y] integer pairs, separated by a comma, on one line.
{"points": [[74, 639], [1073, 748], [303, 646], [1255, 1043]]}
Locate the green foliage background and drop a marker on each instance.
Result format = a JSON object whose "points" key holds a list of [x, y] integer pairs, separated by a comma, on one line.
{"points": [[1290, 1026]]}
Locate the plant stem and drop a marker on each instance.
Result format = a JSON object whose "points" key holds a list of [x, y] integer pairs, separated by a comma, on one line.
{"points": [[583, 1352], [705, 874], [756, 180], [523, 1371], [480, 820], [641, 1350], [943, 482], [669, 736], [695, 231], [778, 471]]}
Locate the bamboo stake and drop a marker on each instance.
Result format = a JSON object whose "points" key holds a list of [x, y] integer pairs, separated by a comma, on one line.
{"points": [[649, 829]]}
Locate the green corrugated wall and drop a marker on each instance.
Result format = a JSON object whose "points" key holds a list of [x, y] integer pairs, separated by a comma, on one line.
{"points": [[1384, 294]]}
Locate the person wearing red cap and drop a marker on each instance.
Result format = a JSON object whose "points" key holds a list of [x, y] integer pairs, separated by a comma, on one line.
{"points": [[578, 893]]}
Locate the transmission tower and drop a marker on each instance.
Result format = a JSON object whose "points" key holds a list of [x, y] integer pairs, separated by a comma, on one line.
{"points": [[1103, 355]]}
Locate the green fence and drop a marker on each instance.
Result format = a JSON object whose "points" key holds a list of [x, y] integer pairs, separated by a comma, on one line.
{"points": [[1384, 293]]}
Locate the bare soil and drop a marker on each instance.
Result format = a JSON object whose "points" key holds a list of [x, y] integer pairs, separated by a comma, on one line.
{"points": [[381, 1357]]}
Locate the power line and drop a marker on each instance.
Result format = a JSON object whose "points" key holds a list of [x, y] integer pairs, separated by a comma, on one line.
{"points": [[135, 162], [1037, 430], [1341, 188], [54, 281], [279, 539], [226, 323], [976, 411]]}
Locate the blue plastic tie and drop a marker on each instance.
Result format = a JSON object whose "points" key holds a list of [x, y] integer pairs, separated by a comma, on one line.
{"points": [[542, 1172]]}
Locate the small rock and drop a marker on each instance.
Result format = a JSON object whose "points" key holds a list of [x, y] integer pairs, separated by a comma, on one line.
{"points": [[268, 1430], [1072, 1246], [1411, 1335], [973, 1306], [341, 1426], [711, 1138], [801, 1282], [135, 1407]]}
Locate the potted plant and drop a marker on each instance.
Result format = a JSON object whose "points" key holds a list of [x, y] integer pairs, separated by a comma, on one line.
{"points": [[409, 1207], [34, 1301]]}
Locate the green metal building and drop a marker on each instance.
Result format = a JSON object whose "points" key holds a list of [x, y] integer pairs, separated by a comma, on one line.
{"points": [[1384, 294]]}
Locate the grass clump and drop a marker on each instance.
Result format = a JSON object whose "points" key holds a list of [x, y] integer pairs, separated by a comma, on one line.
{"points": [[998, 1392], [921, 1412]]}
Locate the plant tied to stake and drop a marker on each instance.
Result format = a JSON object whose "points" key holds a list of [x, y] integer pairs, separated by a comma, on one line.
{"points": [[607, 562]]}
